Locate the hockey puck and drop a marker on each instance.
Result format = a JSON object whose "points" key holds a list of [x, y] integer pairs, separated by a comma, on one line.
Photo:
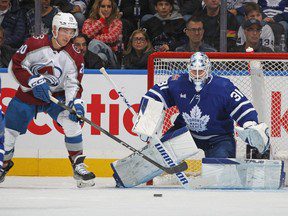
{"points": [[157, 195]]}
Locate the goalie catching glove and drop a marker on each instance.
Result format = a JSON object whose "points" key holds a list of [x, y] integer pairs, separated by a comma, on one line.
{"points": [[255, 135]]}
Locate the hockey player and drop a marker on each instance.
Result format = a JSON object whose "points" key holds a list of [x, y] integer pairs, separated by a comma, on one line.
{"points": [[208, 106], [1, 135], [42, 66]]}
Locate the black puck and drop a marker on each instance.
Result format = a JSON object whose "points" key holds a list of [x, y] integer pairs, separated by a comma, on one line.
{"points": [[157, 195]]}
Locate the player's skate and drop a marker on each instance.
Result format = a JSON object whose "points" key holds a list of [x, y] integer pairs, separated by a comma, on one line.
{"points": [[4, 171], [83, 177]]}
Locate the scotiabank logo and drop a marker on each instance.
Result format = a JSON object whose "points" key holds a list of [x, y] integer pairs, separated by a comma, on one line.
{"points": [[96, 108]]}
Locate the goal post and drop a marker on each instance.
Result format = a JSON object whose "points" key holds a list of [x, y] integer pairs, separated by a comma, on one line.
{"points": [[262, 77]]}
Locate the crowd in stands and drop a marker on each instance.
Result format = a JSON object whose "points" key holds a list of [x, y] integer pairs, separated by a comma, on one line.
{"points": [[123, 33]]}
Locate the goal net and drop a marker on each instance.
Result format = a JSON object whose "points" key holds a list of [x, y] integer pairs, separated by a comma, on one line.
{"points": [[263, 78]]}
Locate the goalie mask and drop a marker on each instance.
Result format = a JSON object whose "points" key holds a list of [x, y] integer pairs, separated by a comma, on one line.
{"points": [[64, 20], [199, 69]]}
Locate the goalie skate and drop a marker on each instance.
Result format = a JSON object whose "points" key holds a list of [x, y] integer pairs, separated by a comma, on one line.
{"points": [[5, 170], [83, 177]]}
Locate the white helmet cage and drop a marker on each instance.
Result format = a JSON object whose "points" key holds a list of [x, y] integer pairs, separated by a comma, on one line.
{"points": [[199, 62], [64, 20]]}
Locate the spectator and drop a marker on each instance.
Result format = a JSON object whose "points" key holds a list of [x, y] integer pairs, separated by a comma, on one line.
{"points": [[165, 28], [47, 14], [236, 7], [12, 20], [131, 12], [188, 8], [103, 23], [253, 11], [6, 52], [252, 30], [194, 31], [139, 48], [211, 20], [277, 13], [91, 60], [75, 7]]}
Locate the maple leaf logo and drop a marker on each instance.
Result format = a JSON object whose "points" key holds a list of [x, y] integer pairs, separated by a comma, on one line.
{"points": [[195, 121]]}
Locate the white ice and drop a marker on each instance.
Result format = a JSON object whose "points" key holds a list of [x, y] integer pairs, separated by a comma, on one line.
{"points": [[46, 196]]}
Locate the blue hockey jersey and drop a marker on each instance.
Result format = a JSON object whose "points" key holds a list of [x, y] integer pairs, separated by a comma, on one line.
{"points": [[209, 112]]}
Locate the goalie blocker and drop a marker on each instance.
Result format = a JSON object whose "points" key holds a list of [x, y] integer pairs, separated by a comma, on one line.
{"points": [[134, 170]]}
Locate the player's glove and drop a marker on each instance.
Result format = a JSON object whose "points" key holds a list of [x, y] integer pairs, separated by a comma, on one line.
{"points": [[255, 135], [77, 105], [39, 87]]}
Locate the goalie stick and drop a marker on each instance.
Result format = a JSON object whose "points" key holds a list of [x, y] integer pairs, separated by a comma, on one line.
{"points": [[181, 176], [170, 170]]}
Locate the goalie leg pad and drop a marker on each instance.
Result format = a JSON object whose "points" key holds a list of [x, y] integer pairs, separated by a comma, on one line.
{"points": [[179, 144], [134, 170], [241, 174]]}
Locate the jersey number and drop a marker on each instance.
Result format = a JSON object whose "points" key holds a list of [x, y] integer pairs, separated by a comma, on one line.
{"points": [[237, 95], [22, 49]]}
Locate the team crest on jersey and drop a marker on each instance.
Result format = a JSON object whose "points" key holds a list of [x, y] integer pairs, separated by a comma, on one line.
{"points": [[51, 72], [195, 121]]}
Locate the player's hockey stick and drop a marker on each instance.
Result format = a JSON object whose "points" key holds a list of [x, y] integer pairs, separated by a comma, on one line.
{"points": [[181, 176], [175, 169]]}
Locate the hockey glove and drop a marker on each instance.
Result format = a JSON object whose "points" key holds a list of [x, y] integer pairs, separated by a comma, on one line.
{"points": [[77, 105], [255, 135], [39, 87]]}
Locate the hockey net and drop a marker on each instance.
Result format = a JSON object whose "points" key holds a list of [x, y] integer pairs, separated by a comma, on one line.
{"points": [[263, 78]]}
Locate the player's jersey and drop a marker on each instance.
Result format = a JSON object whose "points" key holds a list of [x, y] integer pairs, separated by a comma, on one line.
{"points": [[210, 112], [273, 8], [63, 68]]}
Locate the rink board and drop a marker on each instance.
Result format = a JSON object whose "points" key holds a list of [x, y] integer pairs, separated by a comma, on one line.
{"points": [[41, 151]]}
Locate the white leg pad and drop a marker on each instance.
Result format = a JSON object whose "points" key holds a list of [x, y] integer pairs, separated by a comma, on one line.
{"points": [[220, 173], [134, 170]]}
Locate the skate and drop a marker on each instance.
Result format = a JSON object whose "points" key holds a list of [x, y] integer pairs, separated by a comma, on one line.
{"points": [[4, 171], [83, 177]]}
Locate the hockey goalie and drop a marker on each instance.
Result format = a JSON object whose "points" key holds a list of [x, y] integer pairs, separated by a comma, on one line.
{"points": [[208, 107]]}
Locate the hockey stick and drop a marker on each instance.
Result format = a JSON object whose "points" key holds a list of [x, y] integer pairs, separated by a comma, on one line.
{"points": [[181, 176], [175, 169]]}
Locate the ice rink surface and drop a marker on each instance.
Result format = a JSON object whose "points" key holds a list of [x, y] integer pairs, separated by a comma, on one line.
{"points": [[45, 196]]}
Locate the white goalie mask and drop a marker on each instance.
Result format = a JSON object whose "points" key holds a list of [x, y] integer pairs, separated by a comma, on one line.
{"points": [[64, 20], [199, 69]]}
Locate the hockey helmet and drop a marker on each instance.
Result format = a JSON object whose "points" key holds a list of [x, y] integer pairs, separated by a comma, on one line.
{"points": [[64, 20], [199, 69]]}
